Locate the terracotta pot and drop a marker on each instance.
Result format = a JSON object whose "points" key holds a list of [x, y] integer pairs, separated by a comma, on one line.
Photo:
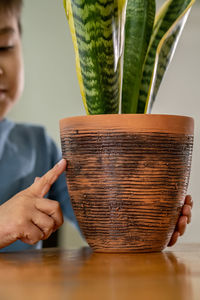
{"points": [[127, 177]]}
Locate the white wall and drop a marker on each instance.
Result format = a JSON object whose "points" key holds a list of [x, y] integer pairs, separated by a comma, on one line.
{"points": [[52, 91]]}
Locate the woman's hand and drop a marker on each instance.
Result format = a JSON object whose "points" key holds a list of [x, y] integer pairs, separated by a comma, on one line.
{"points": [[30, 217], [184, 219]]}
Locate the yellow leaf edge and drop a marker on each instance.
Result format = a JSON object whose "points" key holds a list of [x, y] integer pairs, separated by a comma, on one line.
{"points": [[69, 15], [159, 50]]}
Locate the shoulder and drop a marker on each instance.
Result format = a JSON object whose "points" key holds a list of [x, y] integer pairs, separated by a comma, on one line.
{"points": [[30, 134], [29, 130], [35, 137]]}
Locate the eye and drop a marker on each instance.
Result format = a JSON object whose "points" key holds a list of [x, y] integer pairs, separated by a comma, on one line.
{"points": [[6, 48]]}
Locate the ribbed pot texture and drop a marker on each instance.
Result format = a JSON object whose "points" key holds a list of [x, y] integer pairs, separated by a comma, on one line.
{"points": [[127, 177]]}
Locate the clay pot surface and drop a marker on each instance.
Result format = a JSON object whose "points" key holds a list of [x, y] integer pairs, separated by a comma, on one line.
{"points": [[127, 177]]}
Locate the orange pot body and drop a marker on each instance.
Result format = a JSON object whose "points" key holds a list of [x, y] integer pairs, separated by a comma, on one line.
{"points": [[127, 177]]}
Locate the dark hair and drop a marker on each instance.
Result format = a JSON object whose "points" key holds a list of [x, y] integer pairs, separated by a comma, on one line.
{"points": [[14, 7]]}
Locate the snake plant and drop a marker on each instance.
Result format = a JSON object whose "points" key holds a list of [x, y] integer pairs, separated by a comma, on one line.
{"points": [[123, 49]]}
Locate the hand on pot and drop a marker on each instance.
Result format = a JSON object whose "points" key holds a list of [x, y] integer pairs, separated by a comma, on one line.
{"points": [[184, 219]]}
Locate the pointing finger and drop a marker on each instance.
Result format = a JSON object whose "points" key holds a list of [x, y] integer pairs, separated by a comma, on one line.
{"points": [[42, 185]]}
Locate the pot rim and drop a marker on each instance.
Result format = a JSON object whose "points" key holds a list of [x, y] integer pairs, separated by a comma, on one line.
{"points": [[163, 123]]}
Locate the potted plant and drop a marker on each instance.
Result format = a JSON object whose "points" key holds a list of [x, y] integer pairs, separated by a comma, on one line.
{"points": [[128, 170]]}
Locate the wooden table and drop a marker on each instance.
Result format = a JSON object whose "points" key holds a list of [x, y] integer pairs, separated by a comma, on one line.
{"points": [[80, 274]]}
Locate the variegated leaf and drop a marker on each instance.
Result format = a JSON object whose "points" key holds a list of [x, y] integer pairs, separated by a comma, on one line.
{"points": [[140, 16], [168, 26], [97, 31]]}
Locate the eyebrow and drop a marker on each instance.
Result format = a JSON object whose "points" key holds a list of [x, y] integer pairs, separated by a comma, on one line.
{"points": [[6, 30]]}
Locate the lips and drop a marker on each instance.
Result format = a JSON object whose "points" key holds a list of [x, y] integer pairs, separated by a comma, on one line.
{"points": [[2, 94]]}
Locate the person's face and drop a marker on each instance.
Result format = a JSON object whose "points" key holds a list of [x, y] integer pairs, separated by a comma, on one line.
{"points": [[11, 63]]}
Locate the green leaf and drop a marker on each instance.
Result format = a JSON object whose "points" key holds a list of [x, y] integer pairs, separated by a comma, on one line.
{"points": [[140, 16], [97, 32], [167, 29]]}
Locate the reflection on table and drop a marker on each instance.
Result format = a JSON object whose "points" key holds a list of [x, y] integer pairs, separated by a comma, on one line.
{"points": [[81, 274]]}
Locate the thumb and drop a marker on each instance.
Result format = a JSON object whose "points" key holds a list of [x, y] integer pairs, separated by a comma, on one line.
{"points": [[42, 185]]}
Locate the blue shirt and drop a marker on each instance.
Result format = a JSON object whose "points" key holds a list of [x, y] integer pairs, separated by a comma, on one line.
{"points": [[26, 152]]}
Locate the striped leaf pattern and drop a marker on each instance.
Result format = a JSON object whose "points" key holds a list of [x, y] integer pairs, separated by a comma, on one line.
{"points": [[97, 32], [164, 56], [140, 16], [97, 29], [167, 29]]}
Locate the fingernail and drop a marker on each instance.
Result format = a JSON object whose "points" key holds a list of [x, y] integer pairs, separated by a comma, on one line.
{"points": [[36, 179], [61, 162]]}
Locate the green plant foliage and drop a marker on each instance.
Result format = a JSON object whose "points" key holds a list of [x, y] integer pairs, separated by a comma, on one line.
{"points": [[97, 36], [168, 26], [140, 15], [115, 39]]}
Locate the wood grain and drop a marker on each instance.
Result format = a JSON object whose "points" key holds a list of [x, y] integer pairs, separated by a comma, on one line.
{"points": [[54, 274]]}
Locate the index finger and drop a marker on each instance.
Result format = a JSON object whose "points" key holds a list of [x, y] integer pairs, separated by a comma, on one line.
{"points": [[41, 187]]}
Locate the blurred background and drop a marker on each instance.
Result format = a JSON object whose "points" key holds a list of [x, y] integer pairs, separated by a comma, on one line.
{"points": [[52, 90]]}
